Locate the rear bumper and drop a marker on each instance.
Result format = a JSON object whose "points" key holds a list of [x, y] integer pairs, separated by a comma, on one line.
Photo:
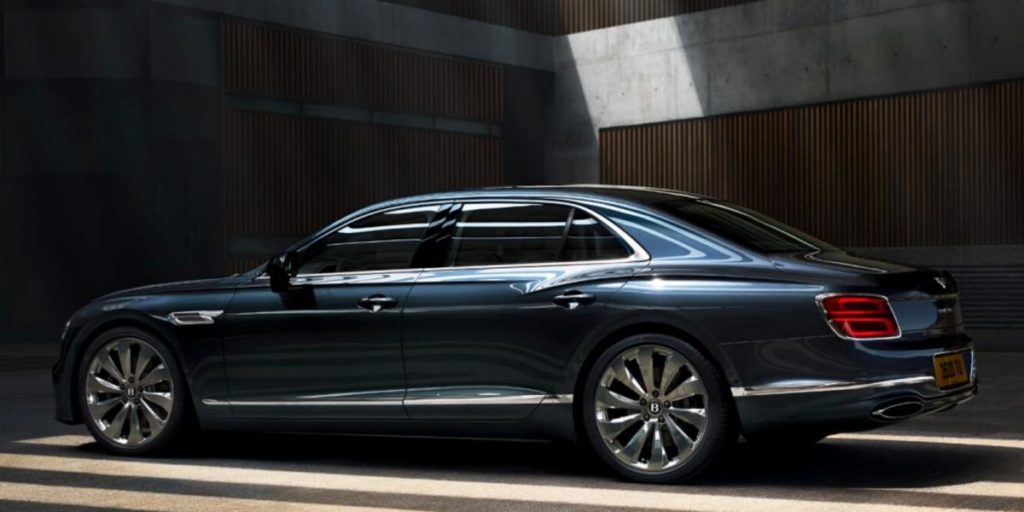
{"points": [[830, 406]]}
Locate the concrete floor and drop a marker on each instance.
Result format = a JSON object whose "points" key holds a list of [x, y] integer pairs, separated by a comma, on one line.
{"points": [[969, 458]]}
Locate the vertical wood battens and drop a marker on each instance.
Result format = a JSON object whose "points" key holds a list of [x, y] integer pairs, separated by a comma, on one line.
{"points": [[263, 60], [560, 17], [937, 168], [287, 176]]}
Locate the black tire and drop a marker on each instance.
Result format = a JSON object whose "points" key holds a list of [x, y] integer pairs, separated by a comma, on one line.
{"points": [[720, 431], [179, 416]]}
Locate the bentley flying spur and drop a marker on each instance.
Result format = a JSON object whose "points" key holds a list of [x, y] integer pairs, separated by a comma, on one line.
{"points": [[653, 326]]}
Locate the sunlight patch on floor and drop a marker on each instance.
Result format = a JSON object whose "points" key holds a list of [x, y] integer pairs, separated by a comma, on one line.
{"points": [[113, 499], [984, 488], [988, 442], [520, 493], [68, 440]]}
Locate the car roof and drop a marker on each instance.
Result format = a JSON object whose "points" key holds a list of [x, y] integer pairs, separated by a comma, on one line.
{"points": [[614, 193], [624, 195]]}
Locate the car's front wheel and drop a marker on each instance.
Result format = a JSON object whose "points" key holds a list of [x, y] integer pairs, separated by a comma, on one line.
{"points": [[132, 392], [655, 409]]}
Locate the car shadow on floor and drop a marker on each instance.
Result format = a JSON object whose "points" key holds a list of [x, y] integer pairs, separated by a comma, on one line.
{"points": [[833, 463]]}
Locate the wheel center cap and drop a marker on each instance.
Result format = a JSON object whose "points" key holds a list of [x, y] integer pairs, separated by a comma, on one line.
{"points": [[654, 407], [130, 392]]}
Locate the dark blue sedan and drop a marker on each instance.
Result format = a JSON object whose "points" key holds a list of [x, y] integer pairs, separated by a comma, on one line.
{"points": [[653, 325]]}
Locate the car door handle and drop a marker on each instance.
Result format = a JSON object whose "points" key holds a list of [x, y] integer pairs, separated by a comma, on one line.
{"points": [[574, 299], [375, 303]]}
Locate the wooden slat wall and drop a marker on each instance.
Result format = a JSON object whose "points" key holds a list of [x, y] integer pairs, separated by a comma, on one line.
{"points": [[286, 176], [539, 16], [271, 61], [937, 168], [559, 17], [583, 15]]}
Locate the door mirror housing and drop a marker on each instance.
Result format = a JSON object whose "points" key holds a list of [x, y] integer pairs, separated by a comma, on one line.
{"points": [[281, 269]]}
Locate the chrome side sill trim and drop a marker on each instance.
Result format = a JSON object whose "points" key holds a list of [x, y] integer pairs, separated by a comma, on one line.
{"points": [[795, 387], [491, 400], [557, 399], [299, 403], [194, 317], [475, 400]]}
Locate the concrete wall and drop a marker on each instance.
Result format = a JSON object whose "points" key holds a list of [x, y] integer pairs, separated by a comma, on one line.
{"points": [[765, 55]]}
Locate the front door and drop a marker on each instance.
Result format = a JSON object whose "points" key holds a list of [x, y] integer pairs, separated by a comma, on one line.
{"points": [[330, 347]]}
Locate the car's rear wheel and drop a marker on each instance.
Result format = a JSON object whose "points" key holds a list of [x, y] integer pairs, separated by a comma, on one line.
{"points": [[655, 409], [132, 392]]}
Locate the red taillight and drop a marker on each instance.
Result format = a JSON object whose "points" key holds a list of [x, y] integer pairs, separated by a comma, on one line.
{"points": [[860, 316]]}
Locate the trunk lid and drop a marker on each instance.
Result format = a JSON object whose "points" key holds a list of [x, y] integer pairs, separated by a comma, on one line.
{"points": [[924, 301]]}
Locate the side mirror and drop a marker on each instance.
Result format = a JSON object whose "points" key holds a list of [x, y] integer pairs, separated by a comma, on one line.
{"points": [[281, 269]]}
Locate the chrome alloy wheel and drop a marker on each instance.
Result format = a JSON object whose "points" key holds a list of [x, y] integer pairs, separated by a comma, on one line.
{"points": [[651, 408], [129, 392]]}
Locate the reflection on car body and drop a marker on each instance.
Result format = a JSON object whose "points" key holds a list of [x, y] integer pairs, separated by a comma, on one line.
{"points": [[653, 325]]}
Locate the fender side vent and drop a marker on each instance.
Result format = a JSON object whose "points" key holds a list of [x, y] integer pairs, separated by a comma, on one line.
{"points": [[194, 317]]}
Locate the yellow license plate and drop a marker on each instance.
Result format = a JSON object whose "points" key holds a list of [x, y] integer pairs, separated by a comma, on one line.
{"points": [[951, 370]]}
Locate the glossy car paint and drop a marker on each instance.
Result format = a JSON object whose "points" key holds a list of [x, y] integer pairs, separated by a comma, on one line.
{"points": [[309, 353], [487, 352]]}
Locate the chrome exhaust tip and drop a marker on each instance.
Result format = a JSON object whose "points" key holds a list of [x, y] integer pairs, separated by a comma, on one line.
{"points": [[898, 410]]}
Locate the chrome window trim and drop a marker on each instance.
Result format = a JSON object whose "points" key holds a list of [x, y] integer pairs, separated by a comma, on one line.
{"points": [[819, 299], [409, 276], [639, 254]]}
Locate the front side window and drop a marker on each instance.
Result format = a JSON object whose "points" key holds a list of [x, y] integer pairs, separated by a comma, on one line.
{"points": [[385, 241], [516, 234]]}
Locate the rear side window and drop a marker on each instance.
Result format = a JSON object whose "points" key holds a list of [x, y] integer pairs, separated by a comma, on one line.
{"points": [[386, 241], [515, 234], [742, 226]]}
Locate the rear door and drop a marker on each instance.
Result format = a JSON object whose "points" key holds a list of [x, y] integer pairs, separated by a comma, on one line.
{"points": [[488, 332]]}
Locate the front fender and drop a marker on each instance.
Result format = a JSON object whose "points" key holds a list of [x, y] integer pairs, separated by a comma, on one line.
{"points": [[197, 348]]}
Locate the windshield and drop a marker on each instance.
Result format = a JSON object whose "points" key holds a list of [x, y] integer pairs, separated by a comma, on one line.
{"points": [[742, 226]]}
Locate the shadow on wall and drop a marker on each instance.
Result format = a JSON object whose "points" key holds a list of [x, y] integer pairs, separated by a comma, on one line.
{"points": [[114, 165], [74, 161], [111, 137]]}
